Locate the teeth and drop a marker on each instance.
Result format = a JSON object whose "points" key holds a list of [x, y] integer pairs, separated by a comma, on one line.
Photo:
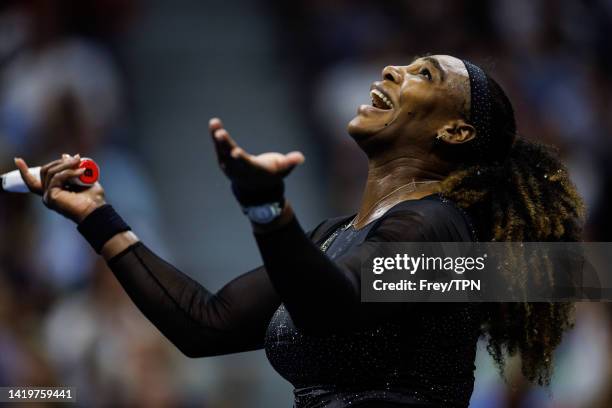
{"points": [[381, 96]]}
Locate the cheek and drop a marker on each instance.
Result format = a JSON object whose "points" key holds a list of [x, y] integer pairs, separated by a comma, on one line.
{"points": [[416, 100]]}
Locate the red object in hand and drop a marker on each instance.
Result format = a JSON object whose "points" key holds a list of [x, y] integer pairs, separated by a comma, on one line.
{"points": [[12, 182], [91, 174]]}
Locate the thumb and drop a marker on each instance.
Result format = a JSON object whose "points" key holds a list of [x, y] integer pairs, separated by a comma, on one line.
{"points": [[295, 158], [290, 161]]}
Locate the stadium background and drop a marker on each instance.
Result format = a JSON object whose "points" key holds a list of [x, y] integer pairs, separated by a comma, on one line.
{"points": [[133, 83]]}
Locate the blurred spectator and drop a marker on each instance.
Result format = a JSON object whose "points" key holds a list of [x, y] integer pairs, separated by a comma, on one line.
{"points": [[61, 91]]}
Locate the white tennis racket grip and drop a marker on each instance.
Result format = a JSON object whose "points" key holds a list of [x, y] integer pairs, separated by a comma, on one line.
{"points": [[12, 182]]}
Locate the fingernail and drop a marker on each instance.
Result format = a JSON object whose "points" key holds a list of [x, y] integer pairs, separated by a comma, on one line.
{"points": [[15, 159]]}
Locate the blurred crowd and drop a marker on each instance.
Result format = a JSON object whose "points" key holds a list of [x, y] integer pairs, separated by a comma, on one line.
{"points": [[64, 320]]}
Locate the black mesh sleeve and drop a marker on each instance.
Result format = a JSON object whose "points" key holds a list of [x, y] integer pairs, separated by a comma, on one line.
{"points": [[197, 321], [319, 292]]}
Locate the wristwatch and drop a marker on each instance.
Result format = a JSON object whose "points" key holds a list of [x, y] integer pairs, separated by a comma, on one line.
{"points": [[263, 213]]}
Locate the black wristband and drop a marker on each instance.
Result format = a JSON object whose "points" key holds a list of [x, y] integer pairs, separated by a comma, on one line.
{"points": [[248, 198], [101, 225]]}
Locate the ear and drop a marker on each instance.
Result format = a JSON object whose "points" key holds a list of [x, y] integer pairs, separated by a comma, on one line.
{"points": [[456, 132]]}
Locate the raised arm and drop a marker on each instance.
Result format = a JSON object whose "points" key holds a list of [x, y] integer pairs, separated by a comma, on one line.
{"points": [[318, 292]]}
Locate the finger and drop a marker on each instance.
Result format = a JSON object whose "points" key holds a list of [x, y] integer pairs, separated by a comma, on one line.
{"points": [[63, 165], [34, 185], [60, 179], [239, 160], [289, 162], [238, 153], [223, 138], [46, 167], [295, 157], [214, 124], [223, 144], [58, 183]]}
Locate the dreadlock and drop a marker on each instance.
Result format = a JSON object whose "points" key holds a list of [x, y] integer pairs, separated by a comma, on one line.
{"points": [[526, 195]]}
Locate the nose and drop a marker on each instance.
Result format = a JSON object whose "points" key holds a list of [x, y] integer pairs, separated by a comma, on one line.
{"points": [[391, 73]]}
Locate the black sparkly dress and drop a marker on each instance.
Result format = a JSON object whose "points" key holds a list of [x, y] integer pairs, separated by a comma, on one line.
{"points": [[304, 307]]}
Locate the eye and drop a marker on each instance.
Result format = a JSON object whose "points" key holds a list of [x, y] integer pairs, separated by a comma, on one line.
{"points": [[426, 73]]}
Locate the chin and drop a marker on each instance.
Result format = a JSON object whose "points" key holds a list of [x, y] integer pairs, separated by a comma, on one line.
{"points": [[369, 122], [357, 130], [361, 128]]}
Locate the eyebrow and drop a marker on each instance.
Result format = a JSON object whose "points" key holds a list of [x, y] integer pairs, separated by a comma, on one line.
{"points": [[437, 65]]}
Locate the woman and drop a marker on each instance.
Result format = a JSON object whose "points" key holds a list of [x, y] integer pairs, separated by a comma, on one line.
{"points": [[444, 165]]}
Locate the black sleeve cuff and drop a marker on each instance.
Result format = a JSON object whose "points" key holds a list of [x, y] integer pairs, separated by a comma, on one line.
{"points": [[101, 225], [132, 248]]}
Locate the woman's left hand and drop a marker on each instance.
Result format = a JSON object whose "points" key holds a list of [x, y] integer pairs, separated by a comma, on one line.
{"points": [[247, 171]]}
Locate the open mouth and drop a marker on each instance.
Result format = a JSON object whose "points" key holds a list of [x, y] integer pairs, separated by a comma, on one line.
{"points": [[380, 100]]}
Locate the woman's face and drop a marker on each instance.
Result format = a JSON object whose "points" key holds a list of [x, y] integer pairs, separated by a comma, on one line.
{"points": [[411, 103]]}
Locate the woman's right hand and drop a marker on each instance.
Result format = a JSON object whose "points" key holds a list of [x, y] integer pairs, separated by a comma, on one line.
{"points": [[75, 205]]}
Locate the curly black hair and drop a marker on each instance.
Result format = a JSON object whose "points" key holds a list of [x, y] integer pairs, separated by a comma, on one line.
{"points": [[518, 190]]}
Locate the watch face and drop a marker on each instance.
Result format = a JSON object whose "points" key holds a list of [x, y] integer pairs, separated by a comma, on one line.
{"points": [[263, 214]]}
